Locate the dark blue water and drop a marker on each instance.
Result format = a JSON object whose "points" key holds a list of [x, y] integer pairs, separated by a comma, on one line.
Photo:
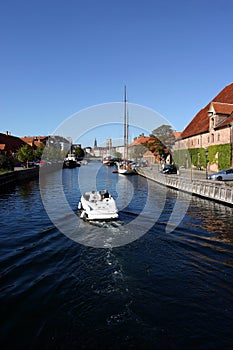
{"points": [[163, 290]]}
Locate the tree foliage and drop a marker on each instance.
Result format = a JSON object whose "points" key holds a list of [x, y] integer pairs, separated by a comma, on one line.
{"points": [[79, 152], [155, 145], [137, 151], [39, 151], [118, 155], [6, 163], [53, 153], [25, 153], [165, 134]]}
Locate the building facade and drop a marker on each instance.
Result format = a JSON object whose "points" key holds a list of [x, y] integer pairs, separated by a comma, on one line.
{"points": [[211, 132], [9, 145]]}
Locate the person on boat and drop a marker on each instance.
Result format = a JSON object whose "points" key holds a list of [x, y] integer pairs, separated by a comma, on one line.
{"points": [[105, 194]]}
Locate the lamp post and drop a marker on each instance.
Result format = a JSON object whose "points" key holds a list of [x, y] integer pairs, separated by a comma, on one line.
{"points": [[206, 157]]}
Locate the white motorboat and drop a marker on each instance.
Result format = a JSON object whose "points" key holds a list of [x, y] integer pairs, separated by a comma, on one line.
{"points": [[97, 206]]}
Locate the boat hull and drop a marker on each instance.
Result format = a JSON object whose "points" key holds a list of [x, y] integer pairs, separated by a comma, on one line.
{"points": [[69, 164], [108, 161], [127, 172], [125, 169], [93, 207]]}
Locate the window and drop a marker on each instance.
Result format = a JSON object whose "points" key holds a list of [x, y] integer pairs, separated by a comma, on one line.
{"points": [[212, 138], [218, 137], [212, 122], [208, 139]]}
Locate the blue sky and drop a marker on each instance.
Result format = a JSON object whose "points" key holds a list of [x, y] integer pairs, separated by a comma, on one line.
{"points": [[59, 57]]}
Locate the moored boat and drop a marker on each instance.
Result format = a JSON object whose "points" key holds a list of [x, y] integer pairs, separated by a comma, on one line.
{"points": [[70, 162], [125, 167], [108, 161]]}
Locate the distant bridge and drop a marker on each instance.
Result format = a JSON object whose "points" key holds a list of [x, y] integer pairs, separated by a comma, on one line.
{"points": [[97, 159]]}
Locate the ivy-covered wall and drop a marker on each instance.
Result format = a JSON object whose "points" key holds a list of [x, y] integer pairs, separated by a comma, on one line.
{"points": [[224, 155], [217, 154]]}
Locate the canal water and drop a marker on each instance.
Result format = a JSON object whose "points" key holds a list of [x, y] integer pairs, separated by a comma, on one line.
{"points": [[137, 284]]}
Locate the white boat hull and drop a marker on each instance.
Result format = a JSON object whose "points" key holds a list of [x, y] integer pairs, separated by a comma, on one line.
{"points": [[125, 169], [93, 207], [126, 172]]}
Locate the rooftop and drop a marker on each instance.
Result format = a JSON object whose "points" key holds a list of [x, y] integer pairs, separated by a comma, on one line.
{"points": [[200, 123]]}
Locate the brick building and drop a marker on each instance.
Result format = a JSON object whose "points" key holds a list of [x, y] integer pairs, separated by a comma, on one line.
{"points": [[34, 141], [211, 128], [9, 145]]}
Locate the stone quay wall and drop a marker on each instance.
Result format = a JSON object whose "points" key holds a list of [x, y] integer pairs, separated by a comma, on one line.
{"points": [[18, 176], [213, 190]]}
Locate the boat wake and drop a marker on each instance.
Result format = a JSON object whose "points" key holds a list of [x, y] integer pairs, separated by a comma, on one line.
{"points": [[106, 224]]}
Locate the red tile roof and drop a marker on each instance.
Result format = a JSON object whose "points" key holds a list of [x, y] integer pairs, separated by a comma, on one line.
{"points": [[177, 134], [12, 143], [37, 143], [28, 140], [200, 123], [140, 141], [226, 122], [222, 108], [34, 141]]}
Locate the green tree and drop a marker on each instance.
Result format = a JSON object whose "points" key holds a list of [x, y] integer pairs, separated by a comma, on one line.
{"points": [[39, 151], [137, 151], [117, 155], [6, 163], [79, 152], [53, 153], [25, 153], [155, 145], [165, 134]]}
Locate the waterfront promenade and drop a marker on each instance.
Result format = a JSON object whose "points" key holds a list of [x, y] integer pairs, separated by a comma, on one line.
{"points": [[193, 182]]}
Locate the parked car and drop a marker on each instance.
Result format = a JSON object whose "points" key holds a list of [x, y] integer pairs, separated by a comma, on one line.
{"points": [[169, 169], [225, 174]]}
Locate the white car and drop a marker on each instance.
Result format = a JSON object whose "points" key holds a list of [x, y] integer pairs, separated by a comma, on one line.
{"points": [[225, 174]]}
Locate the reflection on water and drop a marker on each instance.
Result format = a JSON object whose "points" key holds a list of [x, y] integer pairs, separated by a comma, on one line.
{"points": [[165, 290], [213, 217]]}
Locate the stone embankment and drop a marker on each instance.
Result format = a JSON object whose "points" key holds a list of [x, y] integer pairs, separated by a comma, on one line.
{"points": [[18, 176], [192, 182], [21, 175]]}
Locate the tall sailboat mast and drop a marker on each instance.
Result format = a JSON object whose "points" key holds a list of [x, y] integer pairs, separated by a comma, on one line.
{"points": [[125, 128], [124, 167]]}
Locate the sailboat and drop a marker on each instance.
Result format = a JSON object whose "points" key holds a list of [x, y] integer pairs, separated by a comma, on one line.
{"points": [[125, 167]]}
